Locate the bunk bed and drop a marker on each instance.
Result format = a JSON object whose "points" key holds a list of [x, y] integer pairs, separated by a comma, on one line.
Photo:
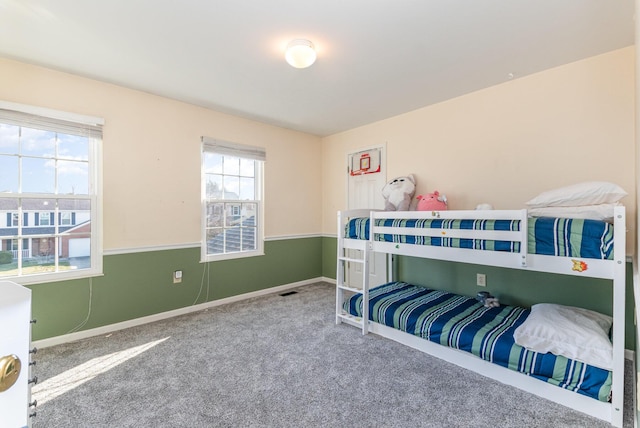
{"points": [[502, 238]]}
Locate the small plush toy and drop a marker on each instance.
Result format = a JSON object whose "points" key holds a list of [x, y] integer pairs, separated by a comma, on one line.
{"points": [[432, 202], [487, 299], [491, 302], [398, 193]]}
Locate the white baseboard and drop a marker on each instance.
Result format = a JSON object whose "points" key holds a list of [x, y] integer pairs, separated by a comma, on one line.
{"points": [[72, 337]]}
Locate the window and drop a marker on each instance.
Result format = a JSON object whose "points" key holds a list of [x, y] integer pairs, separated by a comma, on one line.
{"points": [[44, 219], [49, 162], [65, 219], [232, 200]]}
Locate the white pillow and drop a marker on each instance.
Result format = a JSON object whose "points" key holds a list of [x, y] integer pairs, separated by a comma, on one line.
{"points": [[575, 333], [587, 193], [602, 212]]}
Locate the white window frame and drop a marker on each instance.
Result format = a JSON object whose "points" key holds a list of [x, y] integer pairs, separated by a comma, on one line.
{"points": [[16, 113], [245, 152]]}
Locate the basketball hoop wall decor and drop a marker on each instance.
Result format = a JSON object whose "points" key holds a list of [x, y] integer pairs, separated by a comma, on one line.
{"points": [[366, 162]]}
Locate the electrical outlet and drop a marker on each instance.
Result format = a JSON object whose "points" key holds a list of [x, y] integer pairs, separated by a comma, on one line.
{"points": [[177, 276], [481, 280]]}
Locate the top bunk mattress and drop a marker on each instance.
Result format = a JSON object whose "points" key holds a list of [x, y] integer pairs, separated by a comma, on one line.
{"points": [[546, 236]]}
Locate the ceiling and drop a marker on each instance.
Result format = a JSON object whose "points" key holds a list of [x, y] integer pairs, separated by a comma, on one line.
{"points": [[376, 58]]}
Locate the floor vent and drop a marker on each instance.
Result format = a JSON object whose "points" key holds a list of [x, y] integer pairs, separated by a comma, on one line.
{"points": [[289, 293]]}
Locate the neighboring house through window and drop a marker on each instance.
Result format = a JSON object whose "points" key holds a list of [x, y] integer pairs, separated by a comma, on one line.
{"points": [[232, 200], [49, 220]]}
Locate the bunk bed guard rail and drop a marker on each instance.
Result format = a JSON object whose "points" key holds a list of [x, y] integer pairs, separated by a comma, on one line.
{"points": [[395, 233]]}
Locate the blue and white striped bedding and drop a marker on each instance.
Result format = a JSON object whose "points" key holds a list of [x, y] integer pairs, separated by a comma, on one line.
{"points": [[463, 323], [547, 236]]}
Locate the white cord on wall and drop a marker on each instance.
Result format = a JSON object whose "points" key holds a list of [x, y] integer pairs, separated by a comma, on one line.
{"points": [[84, 322], [205, 269]]}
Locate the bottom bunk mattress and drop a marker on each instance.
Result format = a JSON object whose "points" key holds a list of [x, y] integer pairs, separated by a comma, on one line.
{"points": [[464, 323]]}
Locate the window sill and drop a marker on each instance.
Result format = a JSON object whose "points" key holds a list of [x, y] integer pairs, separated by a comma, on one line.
{"points": [[53, 277], [231, 256]]}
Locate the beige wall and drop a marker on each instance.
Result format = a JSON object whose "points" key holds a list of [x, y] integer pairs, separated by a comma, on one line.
{"points": [[501, 145], [507, 143], [152, 158]]}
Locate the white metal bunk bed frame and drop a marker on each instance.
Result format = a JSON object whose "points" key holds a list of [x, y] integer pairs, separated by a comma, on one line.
{"points": [[606, 269]]}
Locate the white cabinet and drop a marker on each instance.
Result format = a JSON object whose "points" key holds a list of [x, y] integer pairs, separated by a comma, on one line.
{"points": [[15, 341]]}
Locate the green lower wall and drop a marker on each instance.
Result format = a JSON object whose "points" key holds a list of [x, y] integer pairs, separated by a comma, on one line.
{"points": [[140, 284], [511, 286], [329, 255]]}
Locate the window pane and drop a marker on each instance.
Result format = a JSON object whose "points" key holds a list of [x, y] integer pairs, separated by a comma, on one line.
{"points": [[73, 147], [232, 217], [248, 238], [249, 214], [247, 167], [232, 240], [9, 139], [38, 175], [35, 142], [73, 178], [247, 188], [214, 186], [231, 187], [215, 214], [9, 176], [75, 251], [231, 165], [43, 255], [215, 241], [212, 163]]}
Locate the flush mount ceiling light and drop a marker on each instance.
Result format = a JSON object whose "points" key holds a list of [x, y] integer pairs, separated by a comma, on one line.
{"points": [[300, 53]]}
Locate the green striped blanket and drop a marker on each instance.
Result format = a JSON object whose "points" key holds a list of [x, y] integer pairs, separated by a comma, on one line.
{"points": [[547, 236]]}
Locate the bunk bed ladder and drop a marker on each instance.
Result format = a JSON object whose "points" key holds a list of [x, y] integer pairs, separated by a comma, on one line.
{"points": [[342, 285]]}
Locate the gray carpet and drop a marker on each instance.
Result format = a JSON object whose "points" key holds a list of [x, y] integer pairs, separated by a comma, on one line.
{"points": [[273, 362]]}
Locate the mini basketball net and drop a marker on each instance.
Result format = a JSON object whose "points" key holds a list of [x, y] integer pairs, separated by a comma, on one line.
{"points": [[367, 162]]}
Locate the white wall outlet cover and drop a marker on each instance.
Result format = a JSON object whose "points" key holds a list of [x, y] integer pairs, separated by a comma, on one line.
{"points": [[481, 280]]}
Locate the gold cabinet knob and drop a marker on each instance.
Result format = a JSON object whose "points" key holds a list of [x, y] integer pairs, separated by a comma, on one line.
{"points": [[9, 371]]}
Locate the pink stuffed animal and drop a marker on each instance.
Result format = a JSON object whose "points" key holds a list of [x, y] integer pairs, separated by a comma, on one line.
{"points": [[432, 202]]}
